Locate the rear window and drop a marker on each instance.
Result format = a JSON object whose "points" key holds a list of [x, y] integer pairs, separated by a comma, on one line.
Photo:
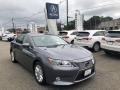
{"points": [[83, 34], [113, 34], [63, 33]]}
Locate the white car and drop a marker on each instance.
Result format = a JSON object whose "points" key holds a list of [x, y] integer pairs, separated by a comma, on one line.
{"points": [[7, 36], [90, 38], [111, 42], [68, 36]]}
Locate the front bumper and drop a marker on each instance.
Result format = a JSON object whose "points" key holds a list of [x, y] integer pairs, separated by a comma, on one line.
{"points": [[80, 77], [68, 76]]}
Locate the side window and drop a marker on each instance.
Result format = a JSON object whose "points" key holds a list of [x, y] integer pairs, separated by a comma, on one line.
{"points": [[26, 40], [19, 39], [99, 33], [74, 33]]}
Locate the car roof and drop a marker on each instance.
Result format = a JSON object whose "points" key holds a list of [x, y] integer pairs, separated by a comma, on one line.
{"points": [[67, 30], [82, 31], [92, 31], [114, 30], [70, 31], [38, 34]]}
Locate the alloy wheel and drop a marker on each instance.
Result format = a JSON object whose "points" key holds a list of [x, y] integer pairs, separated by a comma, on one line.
{"points": [[39, 73], [96, 47]]}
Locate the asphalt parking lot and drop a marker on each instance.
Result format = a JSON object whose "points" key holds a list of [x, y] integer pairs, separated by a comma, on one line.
{"points": [[15, 77]]}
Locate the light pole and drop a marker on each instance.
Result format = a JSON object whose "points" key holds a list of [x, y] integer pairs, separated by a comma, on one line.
{"points": [[13, 24], [67, 12]]}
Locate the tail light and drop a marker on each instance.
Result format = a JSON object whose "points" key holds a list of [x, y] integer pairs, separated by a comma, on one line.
{"points": [[66, 36], [118, 40]]}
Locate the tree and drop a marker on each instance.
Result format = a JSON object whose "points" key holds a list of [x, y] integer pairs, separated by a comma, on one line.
{"points": [[71, 25], [94, 21], [89, 24]]}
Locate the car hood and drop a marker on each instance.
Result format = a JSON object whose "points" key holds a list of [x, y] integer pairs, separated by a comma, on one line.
{"points": [[67, 52]]}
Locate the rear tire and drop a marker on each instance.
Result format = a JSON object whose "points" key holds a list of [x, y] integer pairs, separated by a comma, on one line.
{"points": [[72, 42], [39, 73], [0, 38], [96, 47]]}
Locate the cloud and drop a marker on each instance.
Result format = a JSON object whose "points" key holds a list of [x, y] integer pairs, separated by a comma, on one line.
{"points": [[26, 8]]}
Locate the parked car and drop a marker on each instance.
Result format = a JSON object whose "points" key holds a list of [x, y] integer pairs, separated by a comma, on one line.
{"points": [[51, 60], [111, 42], [68, 36], [90, 38], [7, 36]]}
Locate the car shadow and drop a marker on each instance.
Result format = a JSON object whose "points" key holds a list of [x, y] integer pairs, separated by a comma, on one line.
{"points": [[113, 56]]}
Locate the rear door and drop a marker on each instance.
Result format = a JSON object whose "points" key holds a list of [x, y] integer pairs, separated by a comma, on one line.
{"points": [[28, 53], [98, 35]]}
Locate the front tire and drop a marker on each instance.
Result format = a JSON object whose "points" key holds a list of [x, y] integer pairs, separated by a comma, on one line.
{"points": [[0, 38], [39, 73], [96, 47], [13, 57], [72, 42]]}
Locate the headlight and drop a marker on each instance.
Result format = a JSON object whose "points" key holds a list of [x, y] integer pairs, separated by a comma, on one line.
{"points": [[93, 61], [60, 63]]}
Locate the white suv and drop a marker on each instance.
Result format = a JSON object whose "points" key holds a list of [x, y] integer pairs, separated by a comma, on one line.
{"points": [[111, 42], [90, 38], [68, 36], [7, 36]]}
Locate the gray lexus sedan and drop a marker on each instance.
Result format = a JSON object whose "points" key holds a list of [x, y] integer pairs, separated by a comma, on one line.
{"points": [[51, 59]]}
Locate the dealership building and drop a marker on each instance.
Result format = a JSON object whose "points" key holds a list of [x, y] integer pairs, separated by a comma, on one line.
{"points": [[110, 25]]}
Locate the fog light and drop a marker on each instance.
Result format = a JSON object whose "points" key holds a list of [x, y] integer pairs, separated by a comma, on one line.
{"points": [[57, 78]]}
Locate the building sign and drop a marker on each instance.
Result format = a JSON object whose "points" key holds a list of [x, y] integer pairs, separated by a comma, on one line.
{"points": [[52, 11]]}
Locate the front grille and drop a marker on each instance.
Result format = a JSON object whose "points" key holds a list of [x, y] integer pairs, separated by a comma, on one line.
{"points": [[84, 65], [81, 76]]}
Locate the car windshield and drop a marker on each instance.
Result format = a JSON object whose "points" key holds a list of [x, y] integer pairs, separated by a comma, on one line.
{"points": [[113, 34], [63, 33], [83, 34], [48, 40]]}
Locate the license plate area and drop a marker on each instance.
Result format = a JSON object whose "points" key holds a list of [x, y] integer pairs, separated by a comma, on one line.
{"points": [[110, 43], [87, 72]]}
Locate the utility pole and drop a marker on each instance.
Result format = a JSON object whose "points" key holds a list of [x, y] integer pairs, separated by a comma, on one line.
{"points": [[13, 25], [67, 12], [27, 26]]}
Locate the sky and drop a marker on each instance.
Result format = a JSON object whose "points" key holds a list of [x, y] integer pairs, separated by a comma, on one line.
{"points": [[25, 11]]}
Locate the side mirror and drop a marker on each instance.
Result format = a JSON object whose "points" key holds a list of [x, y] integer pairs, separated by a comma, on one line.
{"points": [[26, 45], [10, 39]]}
